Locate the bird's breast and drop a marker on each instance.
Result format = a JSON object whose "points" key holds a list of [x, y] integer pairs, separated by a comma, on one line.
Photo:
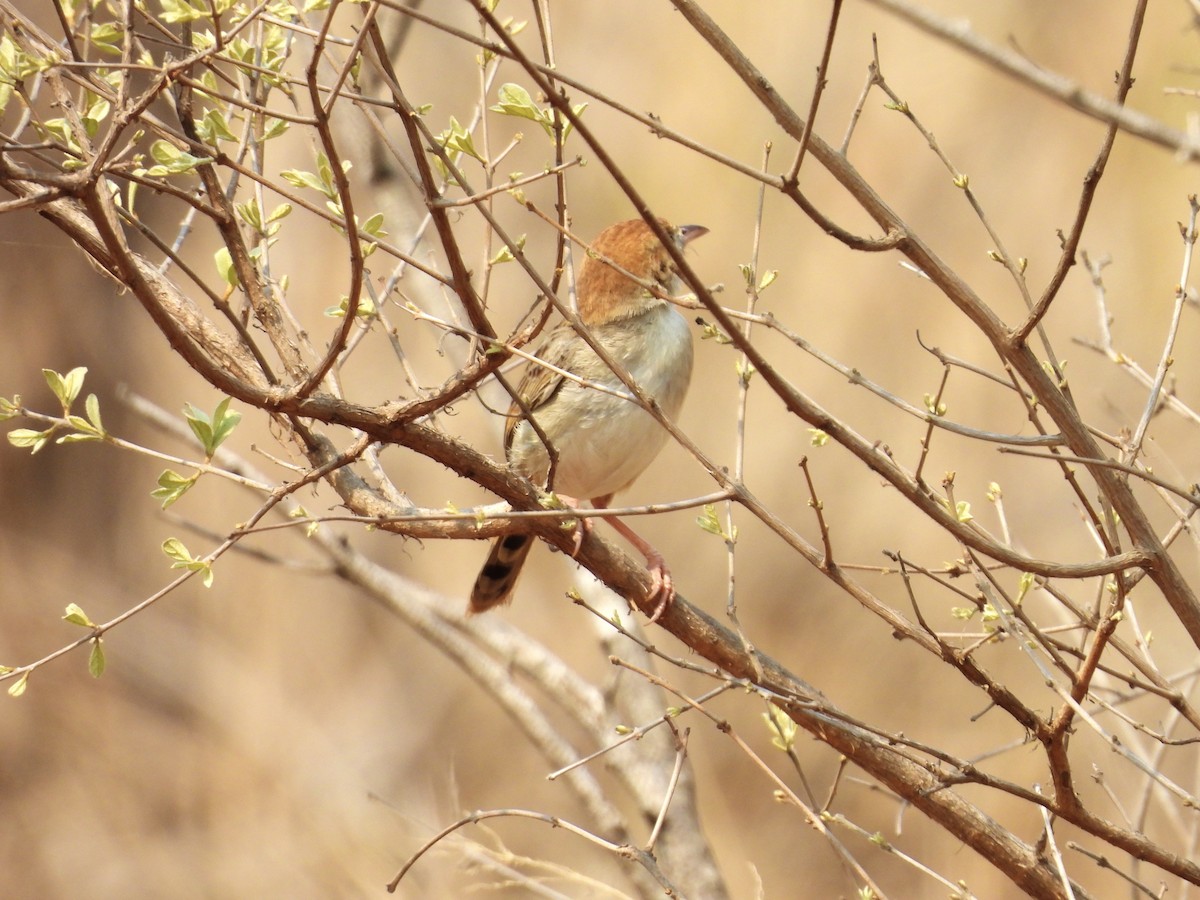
{"points": [[604, 441], [656, 348]]}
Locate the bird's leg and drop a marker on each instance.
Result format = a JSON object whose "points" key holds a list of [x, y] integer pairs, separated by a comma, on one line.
{"points": [[583, 525], [660, 573]]}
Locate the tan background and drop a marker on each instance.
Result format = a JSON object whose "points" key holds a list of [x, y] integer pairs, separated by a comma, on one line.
{"points": [[240, 736]]}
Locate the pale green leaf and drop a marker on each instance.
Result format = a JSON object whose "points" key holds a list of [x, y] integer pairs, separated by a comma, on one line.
{"points": [[17, 688], [172, 486], [76, 616], [26, 437], [224, 262], [66, 387], [10, 409], [96, 658]]}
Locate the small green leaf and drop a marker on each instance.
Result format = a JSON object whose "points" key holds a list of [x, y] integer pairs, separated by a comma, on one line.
{"points": [[17, 688], [709, 522], [200, 424], [516, 101], [26, 437], [249, 213], [96, 658], [66, 387], [97, 111], [213, 128], [1023, 585], [781, 726], [78, 437], [16, 65], [578, 110], [304, 179], [710, 332], [84, 429], [224, 262], [817, 437], [224, 422], [366, 308], [92, 408], [374, 226], [310, 528], [506, 254], [172, 160], [274, 128], [76, 616], [457, 140], [59, 129], [175, 550], [9, 409], [279, 212], [182, 559], [175, 11], [212, 430], [172, 486]]}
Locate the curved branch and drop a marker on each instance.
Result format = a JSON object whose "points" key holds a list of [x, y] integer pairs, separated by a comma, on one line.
{"points": [[1152, 554]]}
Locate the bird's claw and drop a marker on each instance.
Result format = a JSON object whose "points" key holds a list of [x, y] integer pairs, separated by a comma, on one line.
{"points": [[583, 526], [664, 587]]}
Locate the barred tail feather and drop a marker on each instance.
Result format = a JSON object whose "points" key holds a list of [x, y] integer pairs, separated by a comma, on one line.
{"points": [[499, 574]]}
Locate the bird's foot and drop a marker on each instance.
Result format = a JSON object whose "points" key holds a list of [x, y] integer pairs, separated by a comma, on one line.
{"points": [[663, 590]]}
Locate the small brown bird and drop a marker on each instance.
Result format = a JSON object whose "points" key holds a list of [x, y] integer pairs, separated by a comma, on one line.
{"points": [[603, 441]]}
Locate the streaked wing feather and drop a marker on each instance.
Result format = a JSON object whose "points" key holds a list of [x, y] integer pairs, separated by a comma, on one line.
{"points": [[539, 385]]}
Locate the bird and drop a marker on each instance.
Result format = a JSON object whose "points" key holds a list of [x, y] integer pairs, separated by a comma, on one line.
{"points": [[603, 439]]}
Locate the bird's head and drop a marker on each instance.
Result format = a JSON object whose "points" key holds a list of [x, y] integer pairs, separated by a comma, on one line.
{"points": [[606, 293]]}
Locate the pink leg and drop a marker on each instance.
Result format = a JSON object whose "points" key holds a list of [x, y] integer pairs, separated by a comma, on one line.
{"points": [[664, 586], [583, 526]]}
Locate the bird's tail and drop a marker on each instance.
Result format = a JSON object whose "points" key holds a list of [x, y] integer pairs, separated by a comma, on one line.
{"points": [[499, 574]]}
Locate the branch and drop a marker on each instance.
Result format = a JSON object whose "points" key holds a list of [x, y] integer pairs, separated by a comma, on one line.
{"points": [[1058, 87]]}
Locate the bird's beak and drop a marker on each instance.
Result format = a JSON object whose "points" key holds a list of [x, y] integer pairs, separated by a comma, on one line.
{"points": [[688, 233]]}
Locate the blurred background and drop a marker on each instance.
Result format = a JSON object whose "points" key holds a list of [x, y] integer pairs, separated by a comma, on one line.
{"points": [[280, 735]]}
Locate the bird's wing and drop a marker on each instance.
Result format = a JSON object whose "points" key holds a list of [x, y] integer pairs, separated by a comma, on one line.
{"points": [[539, 384]]}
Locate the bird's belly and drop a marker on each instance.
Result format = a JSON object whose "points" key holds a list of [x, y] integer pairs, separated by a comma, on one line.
{"points": [[604, 441], [612, 443]]}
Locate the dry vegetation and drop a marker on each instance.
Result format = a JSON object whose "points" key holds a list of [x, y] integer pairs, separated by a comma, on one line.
{"points": [[928, 506]]}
